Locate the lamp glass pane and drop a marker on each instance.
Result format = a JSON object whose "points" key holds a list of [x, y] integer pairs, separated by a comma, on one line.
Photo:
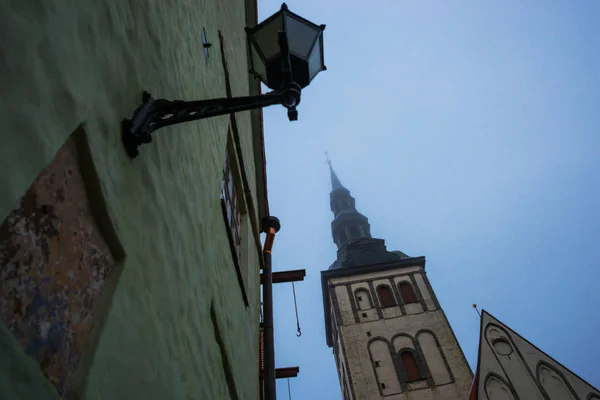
{"points": [[315, 64], [300, 36], [257, 64], [266, 37]]}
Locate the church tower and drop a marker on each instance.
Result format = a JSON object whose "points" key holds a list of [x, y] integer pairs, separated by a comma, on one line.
{"points": [[390, 337]]}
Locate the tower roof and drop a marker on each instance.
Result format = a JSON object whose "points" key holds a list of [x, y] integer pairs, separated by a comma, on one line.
{"points": [[351, 231], [335, 181]]}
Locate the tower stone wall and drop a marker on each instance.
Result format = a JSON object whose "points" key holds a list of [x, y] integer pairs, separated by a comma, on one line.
{"points": [[368, 337]]}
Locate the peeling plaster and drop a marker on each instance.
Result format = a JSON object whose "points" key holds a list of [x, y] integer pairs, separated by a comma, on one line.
{"points": [[53, 265]]}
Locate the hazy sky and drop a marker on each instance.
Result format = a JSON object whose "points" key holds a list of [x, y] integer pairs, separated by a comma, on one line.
{"points": [[468, 132]]}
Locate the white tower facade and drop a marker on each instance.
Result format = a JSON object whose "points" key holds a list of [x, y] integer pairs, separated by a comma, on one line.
{"points": [[390, 337]]}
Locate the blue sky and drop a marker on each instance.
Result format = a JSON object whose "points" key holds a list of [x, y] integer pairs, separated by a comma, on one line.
{"points": [[468, 132]]}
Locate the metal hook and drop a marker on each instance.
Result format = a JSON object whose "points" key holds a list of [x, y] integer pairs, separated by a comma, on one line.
{"points": [[296, 307]]}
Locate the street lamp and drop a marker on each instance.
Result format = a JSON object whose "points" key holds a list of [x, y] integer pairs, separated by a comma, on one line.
{"points": [[286, 53]]}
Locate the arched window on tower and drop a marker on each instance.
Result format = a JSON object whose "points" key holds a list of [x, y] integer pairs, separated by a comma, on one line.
{"points": [[384, 367], [386, 298], [363, 298], [336, 208], [410, 366], [407, 293]]}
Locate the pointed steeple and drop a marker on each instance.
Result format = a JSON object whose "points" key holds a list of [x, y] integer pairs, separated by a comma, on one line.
{"points": [[335, 181], [348, 224], [351, 230]]}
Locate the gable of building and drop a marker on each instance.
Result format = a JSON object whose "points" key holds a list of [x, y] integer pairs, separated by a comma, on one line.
{"points": [[511, 367]]}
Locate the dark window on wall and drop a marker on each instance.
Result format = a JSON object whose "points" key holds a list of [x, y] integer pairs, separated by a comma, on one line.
{"points": [[407, 293], [410, 366], [231, 201], [234, 216], [386, 298], [363, 299]]}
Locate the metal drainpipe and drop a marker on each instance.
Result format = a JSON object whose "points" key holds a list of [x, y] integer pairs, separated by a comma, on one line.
{"points": [[270, 225]]}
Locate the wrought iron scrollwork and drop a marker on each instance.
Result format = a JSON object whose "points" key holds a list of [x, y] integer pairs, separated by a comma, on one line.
{"points": [[154, 114]]}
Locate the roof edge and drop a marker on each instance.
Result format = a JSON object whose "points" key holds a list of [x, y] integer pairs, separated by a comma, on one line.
{"points": [[362, 269], [474, 391], [260, 160]]}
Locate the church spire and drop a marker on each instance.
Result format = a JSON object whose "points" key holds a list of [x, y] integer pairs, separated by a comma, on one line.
{"points": [[351, 231], [335, 181], [348, 224]]}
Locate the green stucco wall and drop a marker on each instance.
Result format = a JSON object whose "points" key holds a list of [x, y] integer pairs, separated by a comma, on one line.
{"points": [[72, 62]]}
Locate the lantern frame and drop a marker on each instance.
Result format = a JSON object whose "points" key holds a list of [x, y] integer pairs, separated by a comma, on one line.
{"points": [[259, 62]]}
